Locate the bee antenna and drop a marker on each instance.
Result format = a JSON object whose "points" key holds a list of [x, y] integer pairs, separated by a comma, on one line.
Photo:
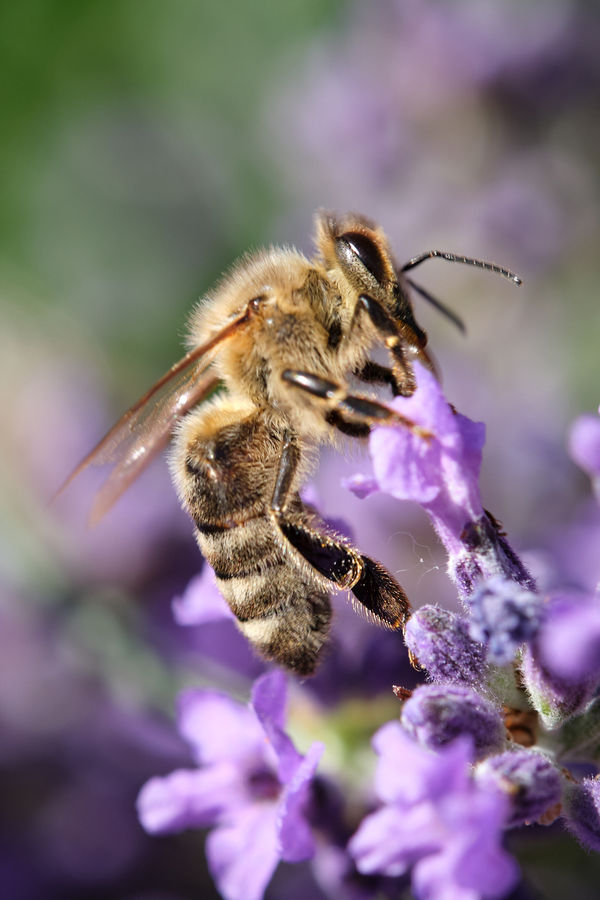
{"points": [[466, 260], [441, 307]]}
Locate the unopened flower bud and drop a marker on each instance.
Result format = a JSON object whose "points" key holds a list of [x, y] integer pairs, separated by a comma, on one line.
{"points": [[504, 616], [532, 782], [440, 642], [437, 714], [555, 699], [582, 812]]}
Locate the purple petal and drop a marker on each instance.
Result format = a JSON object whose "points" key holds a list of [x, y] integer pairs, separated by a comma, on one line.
{"points": [[471, 857], [569, 641], [268, 701], [201, 601], [584, 443], [295, 836], [217, 727], [484, 865], [442, 473], [243, 854], [408, 773], [361, 485], [189, 798], [377, 845]]}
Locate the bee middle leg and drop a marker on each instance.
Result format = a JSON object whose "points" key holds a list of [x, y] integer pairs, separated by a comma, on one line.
{"points": [[350, 413]]}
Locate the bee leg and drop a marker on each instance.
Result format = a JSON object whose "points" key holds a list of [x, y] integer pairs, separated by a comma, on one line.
{"points": [[361, 410], [374, 373], [352, 429], [288, 463], [399, 336], [372, 585]]}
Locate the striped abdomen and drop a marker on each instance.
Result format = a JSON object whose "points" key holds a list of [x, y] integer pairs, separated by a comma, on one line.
{"points": [[280, 606]]}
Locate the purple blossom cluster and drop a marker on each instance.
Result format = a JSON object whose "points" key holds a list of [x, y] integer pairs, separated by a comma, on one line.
{"points": [[454, 771], [251, 786], [455, 125]]}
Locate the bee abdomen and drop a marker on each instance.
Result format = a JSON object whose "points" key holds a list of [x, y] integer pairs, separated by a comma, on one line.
{"points": [[280, 609]]}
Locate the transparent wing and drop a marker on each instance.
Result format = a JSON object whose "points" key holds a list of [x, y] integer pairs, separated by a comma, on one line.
{"points": [[145, 429]]}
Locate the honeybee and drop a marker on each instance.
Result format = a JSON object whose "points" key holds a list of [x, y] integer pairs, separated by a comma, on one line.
{"points": [[284, 335]]}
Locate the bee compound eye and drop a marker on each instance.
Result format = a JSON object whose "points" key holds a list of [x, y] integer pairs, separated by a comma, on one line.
{"points": [[367, 251]]}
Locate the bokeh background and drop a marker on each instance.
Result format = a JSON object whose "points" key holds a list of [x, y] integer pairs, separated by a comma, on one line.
{"points": [[144, 146]]}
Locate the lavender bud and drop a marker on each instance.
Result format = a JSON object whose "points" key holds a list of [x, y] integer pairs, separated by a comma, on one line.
{"points": [[555, 699], [439, 640], [484, 553], [437, 714], [582, 811], [504, 616], [532, 782]]}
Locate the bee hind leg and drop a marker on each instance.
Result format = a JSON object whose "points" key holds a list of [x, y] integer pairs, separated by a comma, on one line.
{"points": [[376, 590]]}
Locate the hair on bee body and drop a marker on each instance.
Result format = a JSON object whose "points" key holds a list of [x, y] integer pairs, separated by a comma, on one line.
{"points": [[285, 336]]}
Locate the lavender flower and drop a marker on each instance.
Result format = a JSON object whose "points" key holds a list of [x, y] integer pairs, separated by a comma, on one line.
{"points": [[582, 812], [442, 474], [435, 819], [555, 699], [201, 602], [503, 616], [252, 785], [584, 447], [529, 779], [439, 641], [561, 667], [436, 714], [569, 641]]}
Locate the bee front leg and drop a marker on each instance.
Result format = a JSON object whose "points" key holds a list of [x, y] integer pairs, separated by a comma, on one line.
{"points": [[349, 413], [402, 337], [374, 373]]}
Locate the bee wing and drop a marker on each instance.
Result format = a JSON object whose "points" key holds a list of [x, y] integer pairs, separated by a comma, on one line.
{"points": [[145, 429]]}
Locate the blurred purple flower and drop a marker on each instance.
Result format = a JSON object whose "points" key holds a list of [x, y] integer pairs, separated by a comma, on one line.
{"points": [[529, 779], [555, 699], [582, 812], [440, 642], [437, 714], [201, 602], [574, 550], [435, 819], [252, 785], [442, 474], [503, 616], [61, 400], [212, 641], [568, 644], [584, 447]]}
